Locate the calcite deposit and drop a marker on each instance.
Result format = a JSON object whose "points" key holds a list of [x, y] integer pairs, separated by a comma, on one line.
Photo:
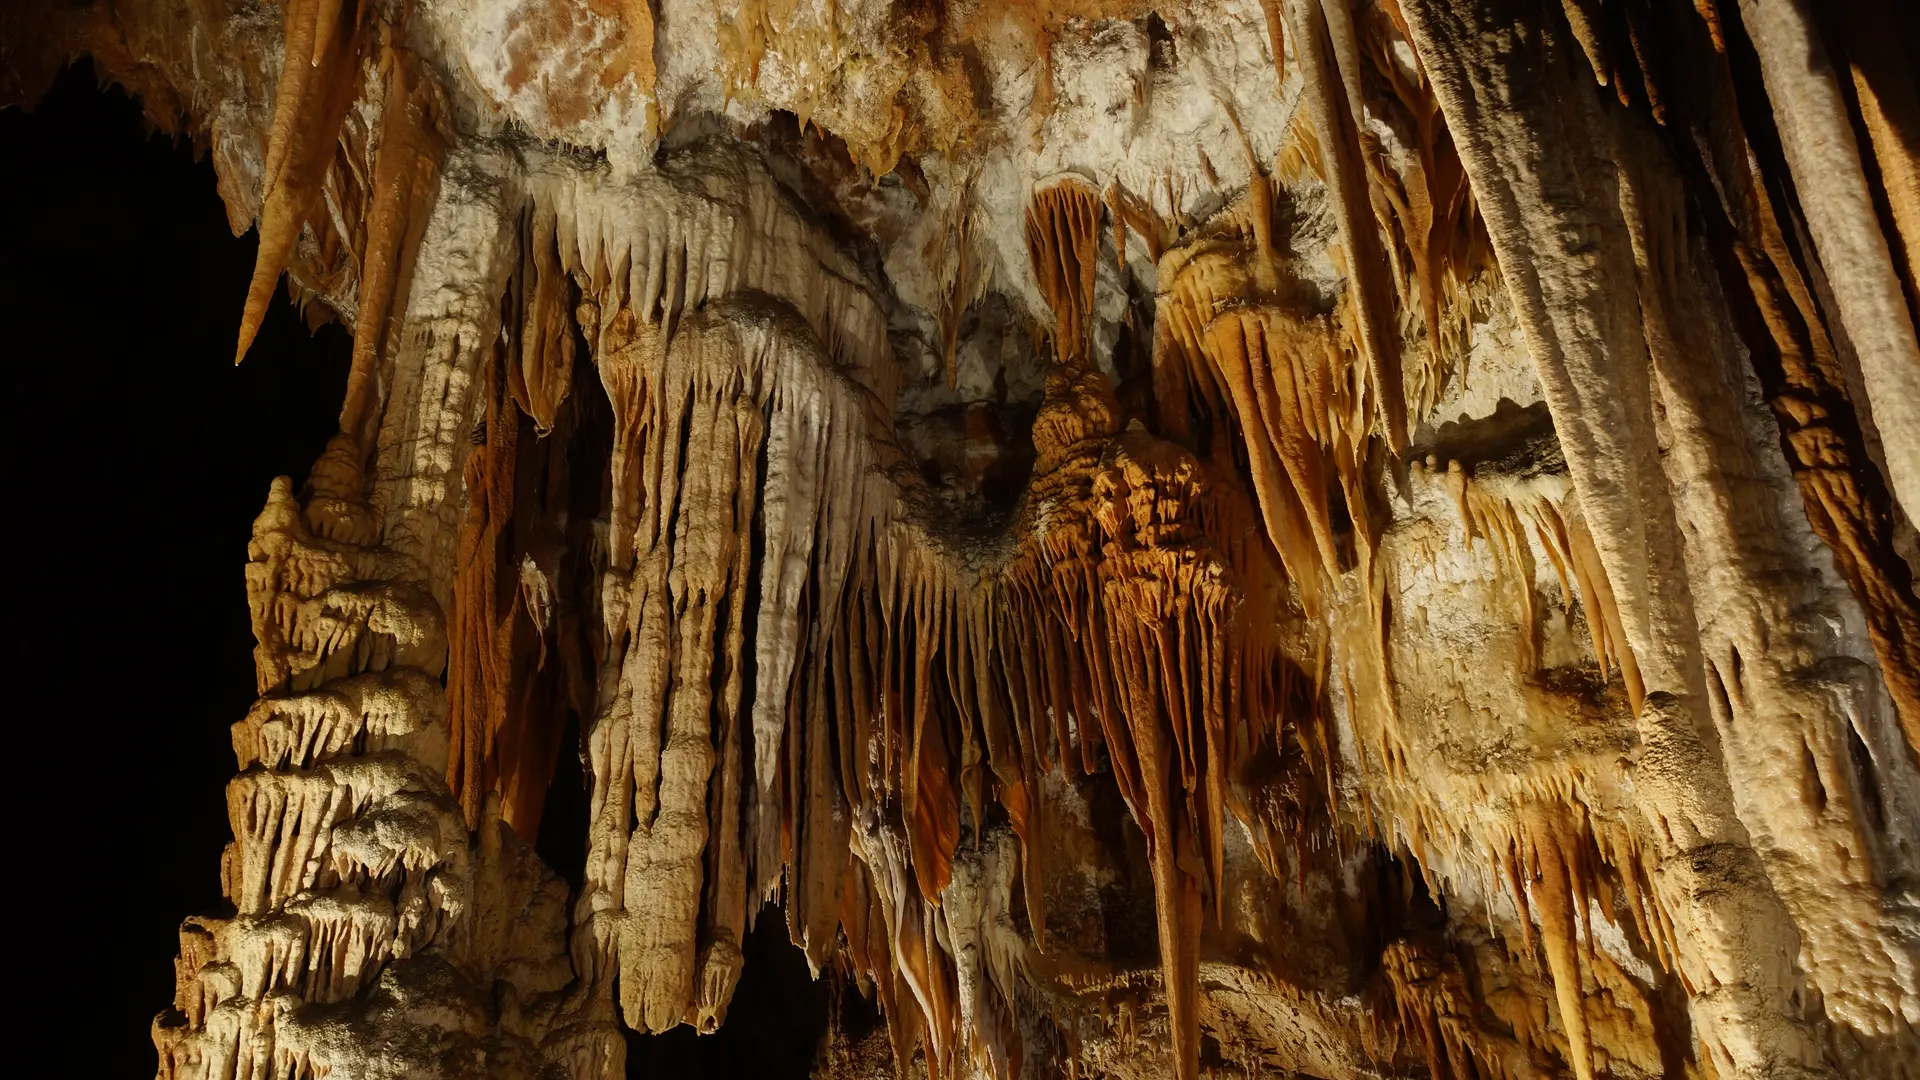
{"points": [[1321, 538]]}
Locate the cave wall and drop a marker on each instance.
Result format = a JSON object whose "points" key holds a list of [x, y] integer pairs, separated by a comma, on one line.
{"points": [[1308, 538]]}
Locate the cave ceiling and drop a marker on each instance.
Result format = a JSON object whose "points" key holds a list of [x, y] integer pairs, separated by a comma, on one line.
{"points": [[1323, 538]]}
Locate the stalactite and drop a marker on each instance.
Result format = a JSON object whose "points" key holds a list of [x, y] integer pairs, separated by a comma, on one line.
{"points": [[405, 175], [687, 591], [1877, 53], [312, 100], [1426, 206], [1168, 656], [1063, 236], [1561, 905], [481, 624], [1355, 657], [1815, 127], [1522, 204], [952, 249], [1247, 346], [540, 337], [637, 16], [1163, 606], [1345, 177], [1801, 371], [1433, 998]]}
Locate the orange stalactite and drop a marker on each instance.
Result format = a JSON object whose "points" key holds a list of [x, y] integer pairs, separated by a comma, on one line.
{"points": [[638, 18], [1063, 238], [307, 112], [405, 180], [541, 341], [1377, 340], [979, 738], [477, 690], [1161, 625], [1561, 905]]}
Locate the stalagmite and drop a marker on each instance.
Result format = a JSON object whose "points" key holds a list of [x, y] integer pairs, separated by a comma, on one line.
{"points": [[1282, 537]]}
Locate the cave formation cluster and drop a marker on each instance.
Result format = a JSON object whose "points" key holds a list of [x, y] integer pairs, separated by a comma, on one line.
{"points": [[1324, 538]]}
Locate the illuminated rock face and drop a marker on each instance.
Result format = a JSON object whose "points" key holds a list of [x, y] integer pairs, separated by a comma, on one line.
{"points": [[1305, 538]]}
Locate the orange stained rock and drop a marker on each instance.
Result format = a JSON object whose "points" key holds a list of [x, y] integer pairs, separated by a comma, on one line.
{"points": [[540, 363], [1336, 125], [1063, 237], [807, 691], [312, 100], [405, 182]]}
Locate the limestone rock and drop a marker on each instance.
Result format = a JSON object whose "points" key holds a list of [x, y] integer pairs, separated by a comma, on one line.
{"points": [[1302, 537]]}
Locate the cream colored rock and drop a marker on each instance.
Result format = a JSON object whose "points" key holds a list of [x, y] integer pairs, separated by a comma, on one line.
{"points": [[1337, 537]]}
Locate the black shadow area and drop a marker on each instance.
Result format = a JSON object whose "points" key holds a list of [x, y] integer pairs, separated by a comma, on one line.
{"points": [[137, 456]]}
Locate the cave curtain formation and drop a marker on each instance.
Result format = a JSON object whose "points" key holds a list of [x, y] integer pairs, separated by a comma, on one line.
{"points": [[1306, 537]]}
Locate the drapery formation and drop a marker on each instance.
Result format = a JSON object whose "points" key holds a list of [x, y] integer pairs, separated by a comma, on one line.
{"points": [[1309, 537], [797, 672]]}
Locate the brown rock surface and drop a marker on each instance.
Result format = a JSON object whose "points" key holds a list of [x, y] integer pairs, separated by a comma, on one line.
{"points": [[1309, 537]]}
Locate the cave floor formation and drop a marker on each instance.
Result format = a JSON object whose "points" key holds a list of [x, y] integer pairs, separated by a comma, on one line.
{"points": [[1309, 538]]}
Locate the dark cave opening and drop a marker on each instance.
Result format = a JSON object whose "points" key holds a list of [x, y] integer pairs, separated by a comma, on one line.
{"points": [[775, 1024], [120, 294], [142, 457]]}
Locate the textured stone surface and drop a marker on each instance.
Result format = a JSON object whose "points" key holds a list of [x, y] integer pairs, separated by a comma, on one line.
{"points": [[1310, 537]]}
